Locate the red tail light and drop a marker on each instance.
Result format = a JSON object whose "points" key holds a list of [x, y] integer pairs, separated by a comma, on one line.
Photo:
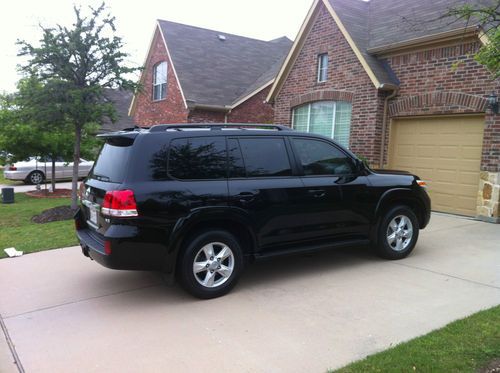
{"points": [[78, 225], [107, 247], [12, 168], [119, 204]]}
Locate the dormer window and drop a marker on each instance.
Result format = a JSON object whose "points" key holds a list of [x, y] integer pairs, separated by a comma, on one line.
{"points": [[322, 67], [160, 81]]}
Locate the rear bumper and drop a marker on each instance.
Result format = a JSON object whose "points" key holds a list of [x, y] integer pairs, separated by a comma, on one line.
{"points": [[128, 248], [15, 175]]}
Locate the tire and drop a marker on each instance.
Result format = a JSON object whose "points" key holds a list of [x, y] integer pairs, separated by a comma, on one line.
{"points": [[35, 177], [397, 233], [220, 276]]}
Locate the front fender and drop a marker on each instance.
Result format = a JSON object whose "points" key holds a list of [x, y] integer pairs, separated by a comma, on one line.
{"points": [[392, 197]]}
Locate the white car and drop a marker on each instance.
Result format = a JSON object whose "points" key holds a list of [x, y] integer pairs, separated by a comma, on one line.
{"points": [[36, 170]]}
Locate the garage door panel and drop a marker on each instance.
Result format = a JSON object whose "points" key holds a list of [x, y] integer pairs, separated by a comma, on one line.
{"points": [[468, 178], [444, 151], [470, 152]]}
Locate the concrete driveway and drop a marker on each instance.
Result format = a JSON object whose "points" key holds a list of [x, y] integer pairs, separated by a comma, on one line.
{"points": [[300, 314]]}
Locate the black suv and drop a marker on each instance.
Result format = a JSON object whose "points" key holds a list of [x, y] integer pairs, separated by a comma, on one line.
{"points": [[200, 201]]}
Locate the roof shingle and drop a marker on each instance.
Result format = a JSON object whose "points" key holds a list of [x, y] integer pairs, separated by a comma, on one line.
{"points": [[220, 71], [382, 23]]}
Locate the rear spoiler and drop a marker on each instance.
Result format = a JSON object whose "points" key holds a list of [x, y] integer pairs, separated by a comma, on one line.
{"points": [[121, 138]]}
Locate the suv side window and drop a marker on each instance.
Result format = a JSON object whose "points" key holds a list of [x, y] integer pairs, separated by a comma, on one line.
{"points": [[198, 158], [265, 157], [321, 158]]}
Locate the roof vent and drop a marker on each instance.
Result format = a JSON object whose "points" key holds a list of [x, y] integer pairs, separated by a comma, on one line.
{"points": [[221, 37]]}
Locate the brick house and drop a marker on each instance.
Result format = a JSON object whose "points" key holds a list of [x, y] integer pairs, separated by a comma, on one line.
{"points": [[197, 75], [397, 84]]}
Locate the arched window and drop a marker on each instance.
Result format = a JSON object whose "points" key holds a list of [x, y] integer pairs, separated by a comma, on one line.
{"points": [[160, 81], [327, 118]]}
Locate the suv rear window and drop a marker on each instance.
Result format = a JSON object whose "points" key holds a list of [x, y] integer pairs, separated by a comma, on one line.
{"points": [[198, 158], [111, 164]]}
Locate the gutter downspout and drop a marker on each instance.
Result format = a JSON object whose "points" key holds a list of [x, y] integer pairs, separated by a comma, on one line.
{"points": [[225, 115], [384, 126]]}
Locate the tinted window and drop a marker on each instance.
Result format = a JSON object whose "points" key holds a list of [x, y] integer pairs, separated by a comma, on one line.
{"points": [[111, 164], [198, 158], [320, 158], [235, 159], [265, 156]]}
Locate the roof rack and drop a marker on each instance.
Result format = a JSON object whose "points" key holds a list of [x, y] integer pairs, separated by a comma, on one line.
{"points": [[218, 126]]}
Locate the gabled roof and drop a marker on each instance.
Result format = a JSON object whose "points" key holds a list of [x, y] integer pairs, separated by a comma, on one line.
{"points": [[380, 25], [393, 22], [218, 69], [121, 100]]}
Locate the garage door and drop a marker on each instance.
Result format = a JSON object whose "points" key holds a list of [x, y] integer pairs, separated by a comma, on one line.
{"points": [[445, 152]]}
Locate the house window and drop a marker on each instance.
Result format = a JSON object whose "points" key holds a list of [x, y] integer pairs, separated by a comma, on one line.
{"points": [[322, 67], [160, 81], [327, 118]]}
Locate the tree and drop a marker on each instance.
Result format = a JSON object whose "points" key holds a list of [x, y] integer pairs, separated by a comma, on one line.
{"points": [[82, 61], [30, 125], [488, 17]]}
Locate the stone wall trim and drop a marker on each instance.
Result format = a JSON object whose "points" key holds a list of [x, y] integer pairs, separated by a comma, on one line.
{"points": [[410, 104], [322, 95]]}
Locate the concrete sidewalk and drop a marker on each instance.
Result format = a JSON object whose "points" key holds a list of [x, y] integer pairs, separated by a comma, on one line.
{"points": [[20, 187], [296, 314]]}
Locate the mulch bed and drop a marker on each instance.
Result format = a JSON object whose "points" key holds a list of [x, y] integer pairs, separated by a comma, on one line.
{"points": [[58, 193], [54, 214], [492, 367]]}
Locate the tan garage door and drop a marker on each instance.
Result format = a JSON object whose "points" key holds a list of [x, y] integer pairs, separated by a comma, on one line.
{"points": [[445, 152]]}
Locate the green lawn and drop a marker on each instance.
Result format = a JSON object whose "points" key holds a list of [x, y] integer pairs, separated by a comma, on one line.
{"points": [[463, 346], [17, 230]]}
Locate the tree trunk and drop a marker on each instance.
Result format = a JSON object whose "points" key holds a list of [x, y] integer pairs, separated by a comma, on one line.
{"points": [[53, 179], [76, 162]]}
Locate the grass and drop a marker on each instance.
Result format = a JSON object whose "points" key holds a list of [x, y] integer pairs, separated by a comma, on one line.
{"points": [[17, 230], [463, 346]]}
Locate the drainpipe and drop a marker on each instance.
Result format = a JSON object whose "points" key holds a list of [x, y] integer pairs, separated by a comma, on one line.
{"points": [[225, 115], [384, 125]]}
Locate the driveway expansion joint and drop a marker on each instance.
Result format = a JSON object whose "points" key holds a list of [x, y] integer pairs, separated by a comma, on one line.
{"points": [[11, 345], [448, 275], [79, 301]]}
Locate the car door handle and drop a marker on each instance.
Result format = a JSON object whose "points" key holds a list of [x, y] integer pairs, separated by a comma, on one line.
{"points": [[317, 193], [245, 197]]}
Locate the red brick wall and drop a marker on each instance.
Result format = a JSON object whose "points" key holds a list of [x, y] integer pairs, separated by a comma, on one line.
{"points": [[205, 116], [447, 80], [169, 110], [253, 110], [345, 73]]}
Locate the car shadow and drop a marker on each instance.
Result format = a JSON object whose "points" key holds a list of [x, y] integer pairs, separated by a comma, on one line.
{"points": [[150, 288]]}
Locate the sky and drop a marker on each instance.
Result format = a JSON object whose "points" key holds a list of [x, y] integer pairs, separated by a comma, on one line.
{"points": [[135, 21]]}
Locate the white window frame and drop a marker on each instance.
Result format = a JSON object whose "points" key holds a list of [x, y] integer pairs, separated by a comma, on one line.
{"points": [[309, 106], [155, 83], [322, 68]]}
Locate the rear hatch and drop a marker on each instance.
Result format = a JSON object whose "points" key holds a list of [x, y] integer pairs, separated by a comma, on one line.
{"points": [[107, 175]]}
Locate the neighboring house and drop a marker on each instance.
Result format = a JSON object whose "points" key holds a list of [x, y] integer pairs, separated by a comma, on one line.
{"points": [[121, 100], [197, 75], [399, 86]]}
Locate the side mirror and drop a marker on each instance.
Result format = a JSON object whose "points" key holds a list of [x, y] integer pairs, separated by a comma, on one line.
{"points": [[360, 165]]}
